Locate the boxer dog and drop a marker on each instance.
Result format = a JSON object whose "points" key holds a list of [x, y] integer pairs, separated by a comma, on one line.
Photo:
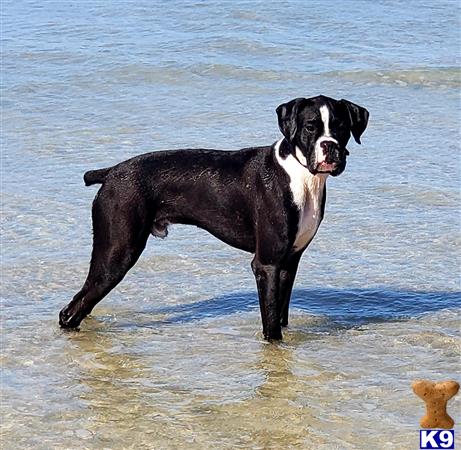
{"points": [[268, 201]]}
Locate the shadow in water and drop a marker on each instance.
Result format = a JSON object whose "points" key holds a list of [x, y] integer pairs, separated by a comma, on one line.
{"points": [[351, 307]]}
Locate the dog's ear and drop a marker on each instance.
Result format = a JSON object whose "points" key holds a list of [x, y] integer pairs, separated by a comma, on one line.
{"points": [[287, 116], [358, 117]]}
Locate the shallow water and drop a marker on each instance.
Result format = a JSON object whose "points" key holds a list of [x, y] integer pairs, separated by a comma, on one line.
{"points": [[174, 357]]}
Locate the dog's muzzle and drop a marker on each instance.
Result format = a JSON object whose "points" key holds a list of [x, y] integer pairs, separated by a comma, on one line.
{"points": [[330, 157]]}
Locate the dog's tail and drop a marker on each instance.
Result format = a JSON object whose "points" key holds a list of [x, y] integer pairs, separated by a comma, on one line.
{"points": [[96, 176]]}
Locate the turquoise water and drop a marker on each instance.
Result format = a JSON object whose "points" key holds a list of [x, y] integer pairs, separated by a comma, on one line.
{"points": [[174, 357]]}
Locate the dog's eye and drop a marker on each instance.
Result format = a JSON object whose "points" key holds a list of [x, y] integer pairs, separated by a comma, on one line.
{"points": [[310, 128]]}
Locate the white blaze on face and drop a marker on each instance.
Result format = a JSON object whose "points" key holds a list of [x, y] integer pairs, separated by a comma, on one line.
{"points": [[325, 115]]}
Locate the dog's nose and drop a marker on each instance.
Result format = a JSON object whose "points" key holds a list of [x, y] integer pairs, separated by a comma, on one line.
{"points": [[330, 151], [328, 146]]}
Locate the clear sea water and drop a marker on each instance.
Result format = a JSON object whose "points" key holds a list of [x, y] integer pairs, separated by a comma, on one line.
{"points": [[174, 357]]}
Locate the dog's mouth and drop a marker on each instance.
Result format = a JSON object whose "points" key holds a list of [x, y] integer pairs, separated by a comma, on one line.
{"points": [[332, 163], [324, 167]]}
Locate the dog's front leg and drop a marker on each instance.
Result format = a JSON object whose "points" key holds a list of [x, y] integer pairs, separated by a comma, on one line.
{"points": [[268, 281], [287, 278]]}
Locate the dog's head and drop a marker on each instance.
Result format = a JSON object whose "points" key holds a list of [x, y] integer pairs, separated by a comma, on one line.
{"points": [[318, 130]]}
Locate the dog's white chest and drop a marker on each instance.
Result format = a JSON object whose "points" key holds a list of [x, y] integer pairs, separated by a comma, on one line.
{"points": [[307, 191], [310, 210]]}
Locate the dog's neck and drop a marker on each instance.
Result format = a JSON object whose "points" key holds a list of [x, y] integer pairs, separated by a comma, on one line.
{"points": [[287, 155], [302, 182], [286, 149]]}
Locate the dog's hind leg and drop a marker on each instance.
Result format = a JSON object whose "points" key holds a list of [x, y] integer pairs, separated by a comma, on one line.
{"points": [[120, 232]]}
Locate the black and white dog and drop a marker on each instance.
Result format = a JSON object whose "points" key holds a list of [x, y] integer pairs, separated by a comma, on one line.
{"points": [[268, 201]]}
